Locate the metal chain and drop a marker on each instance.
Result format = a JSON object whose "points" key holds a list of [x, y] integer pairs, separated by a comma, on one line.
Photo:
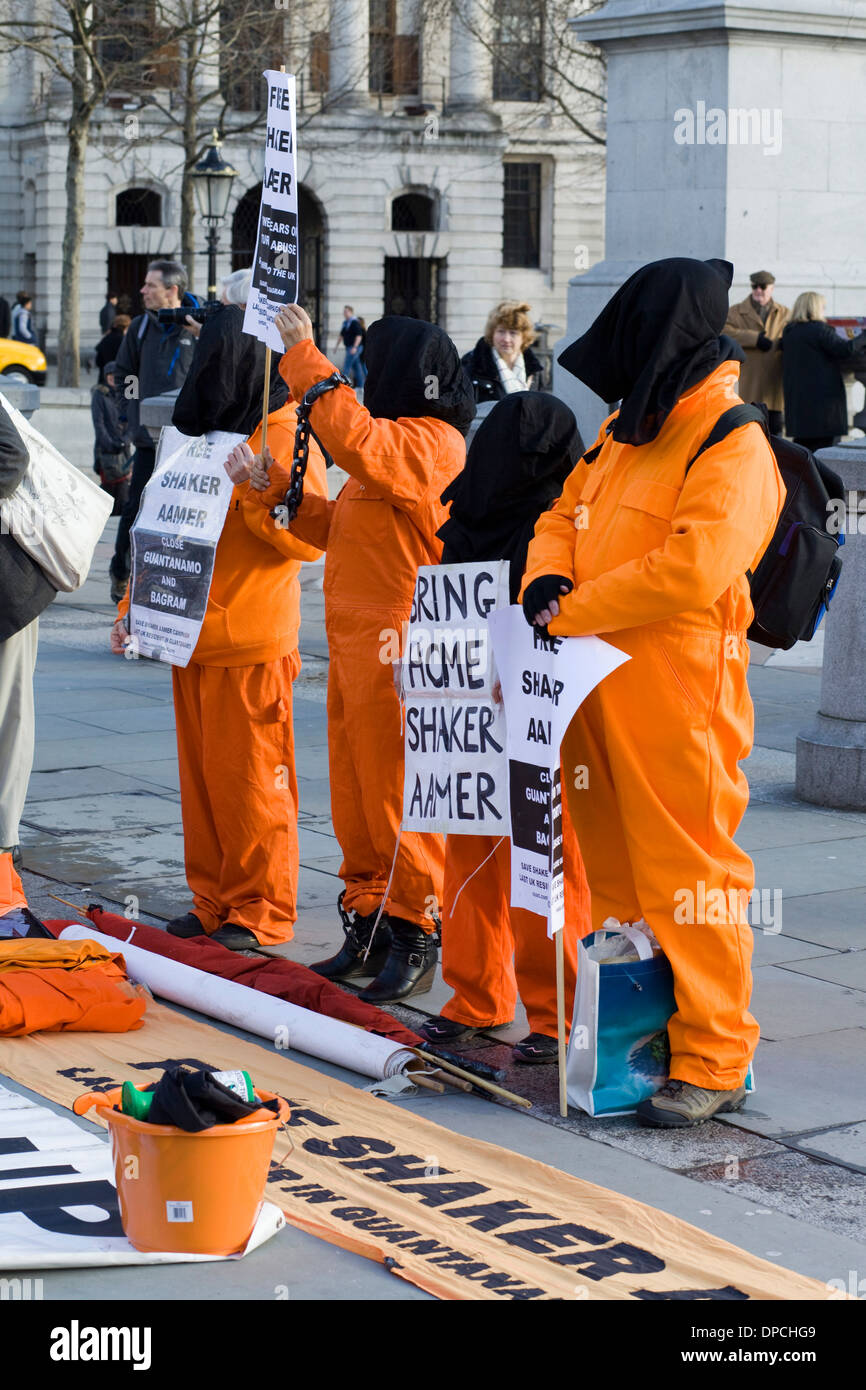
{"points": [[300, 457]]}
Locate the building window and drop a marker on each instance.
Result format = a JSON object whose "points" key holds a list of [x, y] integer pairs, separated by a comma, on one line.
{"points": [[393, 57], [127, 42], [138, 207], [320, 61], [518, 51], [413, 212], [249, 39], [522, 215]]}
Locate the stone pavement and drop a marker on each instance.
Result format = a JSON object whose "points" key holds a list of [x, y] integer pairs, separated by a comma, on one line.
{"points": [[786, 1177]]}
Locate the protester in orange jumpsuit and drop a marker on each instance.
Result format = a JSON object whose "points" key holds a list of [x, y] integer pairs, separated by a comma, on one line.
{"points": [[233, 713], [401, 449], [516, 466], [655, 562]]}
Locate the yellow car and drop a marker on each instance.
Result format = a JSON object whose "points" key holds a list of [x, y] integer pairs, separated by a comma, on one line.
{"points": [[22, 361]]}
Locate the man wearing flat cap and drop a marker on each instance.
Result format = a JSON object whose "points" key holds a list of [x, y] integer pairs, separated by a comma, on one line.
{"points": [[757, 324]]}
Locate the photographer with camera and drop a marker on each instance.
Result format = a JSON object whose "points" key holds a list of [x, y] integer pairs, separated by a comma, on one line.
{"points": [[155, 356], [223, 387]]}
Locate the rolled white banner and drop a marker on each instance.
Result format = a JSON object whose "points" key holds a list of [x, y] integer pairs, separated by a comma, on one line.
{"points": [[287, 1026]]}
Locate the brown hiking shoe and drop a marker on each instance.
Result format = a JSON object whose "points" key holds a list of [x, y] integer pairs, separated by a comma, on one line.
{"points": [[680, 1105]]}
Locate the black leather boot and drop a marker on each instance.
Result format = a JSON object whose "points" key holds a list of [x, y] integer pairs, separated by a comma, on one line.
{"points": [[410, 966], [349, 960]]}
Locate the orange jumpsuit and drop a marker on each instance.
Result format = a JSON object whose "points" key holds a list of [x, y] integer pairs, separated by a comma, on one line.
{"points": [[233, 714], [491, 950], [659, 565], [378, 531], [12, 893]]}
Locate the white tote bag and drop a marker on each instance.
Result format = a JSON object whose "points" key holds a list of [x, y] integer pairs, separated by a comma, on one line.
{"points": [[56, 514]]}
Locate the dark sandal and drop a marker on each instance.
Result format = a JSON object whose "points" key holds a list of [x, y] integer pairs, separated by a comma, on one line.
{"points": [[446, 1030], [536, 1049]]}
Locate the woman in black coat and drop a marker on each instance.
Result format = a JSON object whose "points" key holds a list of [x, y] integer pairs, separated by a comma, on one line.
{"points": [[814, 358], [502, 361]]}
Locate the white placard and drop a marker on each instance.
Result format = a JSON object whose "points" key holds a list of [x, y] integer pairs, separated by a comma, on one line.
{"points": [[173, 543], [275, 263], [544, 682], [456, 769]]}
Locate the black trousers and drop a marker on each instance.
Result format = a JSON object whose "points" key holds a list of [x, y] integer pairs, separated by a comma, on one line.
{"points": [[813, 442], [142, 467]]}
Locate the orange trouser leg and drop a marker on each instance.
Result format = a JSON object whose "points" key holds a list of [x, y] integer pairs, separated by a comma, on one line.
{"points": [[365, 754], [12, 893], [201, 846], [477, 942], [491, 950], [662, 738], [247, 751]]}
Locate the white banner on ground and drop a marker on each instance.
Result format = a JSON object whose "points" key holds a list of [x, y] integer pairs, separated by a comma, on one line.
{"points": [[456, 768], [544, 682], [275, 263], [58, 1201], [174, 540]]}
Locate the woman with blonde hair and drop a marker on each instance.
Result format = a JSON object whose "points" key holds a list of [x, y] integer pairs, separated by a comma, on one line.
{"points": [[814, 358], [502, 362]]}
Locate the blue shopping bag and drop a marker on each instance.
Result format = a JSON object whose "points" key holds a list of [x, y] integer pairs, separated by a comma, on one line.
{"points": [[618, 1051]]}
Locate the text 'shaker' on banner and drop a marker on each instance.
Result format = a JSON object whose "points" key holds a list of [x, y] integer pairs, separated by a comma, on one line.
{"points": [[544, 682], [174, 542], [456, 770], [275, 263]]}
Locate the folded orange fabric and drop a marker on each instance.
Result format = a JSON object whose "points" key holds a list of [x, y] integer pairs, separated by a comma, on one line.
{"points": [[94, 1000], [36, 952]]}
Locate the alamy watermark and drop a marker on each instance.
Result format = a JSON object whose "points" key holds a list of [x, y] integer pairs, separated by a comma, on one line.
{"points": [[738, 125]]}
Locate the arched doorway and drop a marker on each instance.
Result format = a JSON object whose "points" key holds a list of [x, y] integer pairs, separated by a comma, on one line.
{"points": [[311, 259]]}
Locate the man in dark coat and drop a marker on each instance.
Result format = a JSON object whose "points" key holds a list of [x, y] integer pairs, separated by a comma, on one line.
{"points": [[24, 593], [152, 358]]}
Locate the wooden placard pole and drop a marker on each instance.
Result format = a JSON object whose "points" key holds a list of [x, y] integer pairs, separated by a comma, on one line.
{"points": [[266, 392], [560, 1021]]}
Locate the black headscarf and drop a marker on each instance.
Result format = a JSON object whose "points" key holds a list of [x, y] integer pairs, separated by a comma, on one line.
{"points": [[516, 467], [659, 335], [413, 369], [224, 385]]}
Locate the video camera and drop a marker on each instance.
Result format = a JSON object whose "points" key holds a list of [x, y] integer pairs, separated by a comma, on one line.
{"points": [[201, 313]]}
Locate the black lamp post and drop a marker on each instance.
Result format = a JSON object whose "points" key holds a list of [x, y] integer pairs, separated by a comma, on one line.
{"points": [[212, 180]]}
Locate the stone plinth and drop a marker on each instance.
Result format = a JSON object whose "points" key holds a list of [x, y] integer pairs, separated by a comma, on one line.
{"points": [[22, 394], [831, 755], [733, 131]]}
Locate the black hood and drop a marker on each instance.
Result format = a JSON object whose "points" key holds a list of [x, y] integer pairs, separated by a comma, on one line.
{"points": [[413, 370], [659, 335], [516, 467]]}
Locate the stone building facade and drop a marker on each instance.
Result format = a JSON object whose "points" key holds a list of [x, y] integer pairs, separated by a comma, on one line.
{"points": [[433, 179]]}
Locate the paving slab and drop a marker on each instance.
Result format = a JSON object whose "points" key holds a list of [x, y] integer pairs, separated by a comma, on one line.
{"points": [[773, 827], [152, 717], [838, 865], [845, 968], [775, 948], [162, 772], [78, 781], [788, 1005], [806, 1083], [836, 919], [821, 1194], [72, 702], [118, 750], [844, 1145], [136, 858], [108, 814]]}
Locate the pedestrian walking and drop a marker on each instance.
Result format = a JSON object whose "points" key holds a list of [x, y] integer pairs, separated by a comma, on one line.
{"points": [[352, 336], [108, 347], [22, 319], [108, 313], [112, 452]]}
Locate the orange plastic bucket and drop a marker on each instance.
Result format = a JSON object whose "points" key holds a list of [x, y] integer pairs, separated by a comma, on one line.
{"points": [[196, 1194]]}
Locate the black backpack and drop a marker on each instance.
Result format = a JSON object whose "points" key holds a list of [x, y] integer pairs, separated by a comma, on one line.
{"points": [[798, 572]]}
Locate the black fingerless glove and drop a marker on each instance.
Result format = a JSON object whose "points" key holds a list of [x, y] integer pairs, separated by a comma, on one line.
{"points": [[540, 593], [764, 344]]}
